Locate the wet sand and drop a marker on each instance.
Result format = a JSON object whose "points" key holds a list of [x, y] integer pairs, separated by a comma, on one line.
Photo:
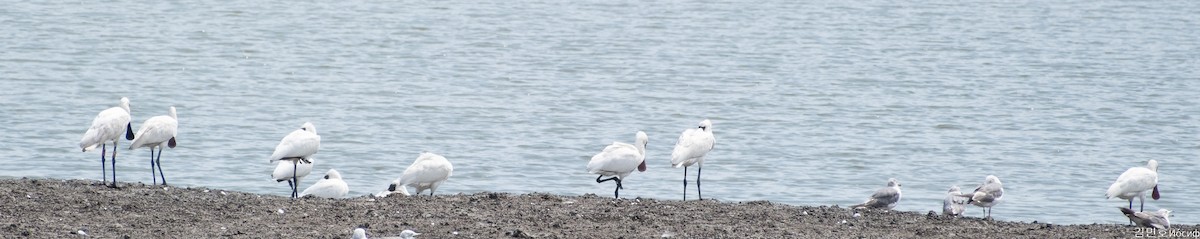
{"points": [[54, 208]]}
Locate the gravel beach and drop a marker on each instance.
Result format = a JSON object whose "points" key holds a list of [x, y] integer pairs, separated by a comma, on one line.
{"points": [[55, 208]]}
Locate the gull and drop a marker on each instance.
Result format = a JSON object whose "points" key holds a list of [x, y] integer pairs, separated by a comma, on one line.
{"points": [[693, 144], [954, 205], [298, 147], [619, 160], [108, 127], [154, 133], [885, 198], [428, 171], [987, 194], [331, 186], [293, 172], [1158, 219], [360, 233], [1134, 182]]}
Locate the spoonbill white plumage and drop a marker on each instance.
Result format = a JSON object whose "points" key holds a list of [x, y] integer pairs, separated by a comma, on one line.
{"points": [[1157, 219], [428, 171], [1134, 182], [619, 160], [954, 205], [154, 133], [298, 147], [108, 127], [332, 186], [691, 148], [885, 198], [292, 172], [987, 194]]}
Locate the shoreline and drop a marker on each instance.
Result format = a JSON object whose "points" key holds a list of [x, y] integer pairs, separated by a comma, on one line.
{"points": [[59, 208]]}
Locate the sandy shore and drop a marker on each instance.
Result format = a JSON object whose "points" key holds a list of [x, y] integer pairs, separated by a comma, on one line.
{"points": [[53, 208]]}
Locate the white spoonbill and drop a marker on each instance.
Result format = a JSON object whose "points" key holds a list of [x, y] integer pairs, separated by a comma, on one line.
{"points": [[619, 160], [987, 194], [1134, 182], [693, 144], [1158, 219], [884, 198], [298, 147], [108, 127], [427, 172], [292, 172], [954, 205], [154, 133], [332, 186]]}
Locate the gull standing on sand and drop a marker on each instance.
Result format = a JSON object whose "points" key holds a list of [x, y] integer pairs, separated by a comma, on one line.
{"points": [[108, 127], [332, 186], [1158, 219], [619, 160], [297, 147], [154, 133], [691, 148], [1134, 183], [987, 194], [954, 205], [885, 198], [360, 233], [428, 171]]}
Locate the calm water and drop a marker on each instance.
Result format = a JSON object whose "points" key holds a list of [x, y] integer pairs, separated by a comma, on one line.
{"points": [[813, 103]]}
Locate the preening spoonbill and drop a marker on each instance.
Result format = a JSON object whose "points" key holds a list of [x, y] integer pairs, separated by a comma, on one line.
{"points": [[428, 171], [619, 160]]}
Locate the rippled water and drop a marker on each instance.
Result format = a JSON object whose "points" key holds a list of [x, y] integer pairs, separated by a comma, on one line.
{"points": [[813, 103]]}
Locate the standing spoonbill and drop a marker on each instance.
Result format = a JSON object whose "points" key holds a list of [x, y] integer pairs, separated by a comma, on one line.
{"points": [[1134, 182], [293, 172], [619, 160], [108, 127], [428, 171], [298, 147], [884, 198], [987, 194], [155, 132], [693, 144], [332, 186]]}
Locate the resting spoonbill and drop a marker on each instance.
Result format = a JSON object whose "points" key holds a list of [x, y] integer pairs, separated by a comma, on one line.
{"points": [[298, 147], [293, 172], [332, 186], [619, 160], [1134, 182], [108, 127], [693, 144], [987, 194], [884, 198], [155, 132], [428, 171]]}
